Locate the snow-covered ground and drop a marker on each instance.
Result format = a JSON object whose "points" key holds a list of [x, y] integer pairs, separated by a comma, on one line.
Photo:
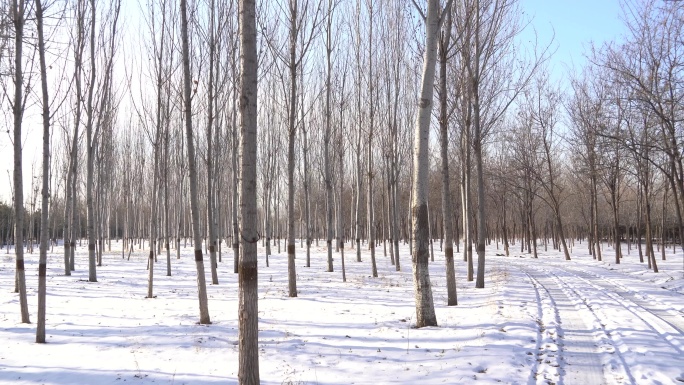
{"points": [[545, 321]]}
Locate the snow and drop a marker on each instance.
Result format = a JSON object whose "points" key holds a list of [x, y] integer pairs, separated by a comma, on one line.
{"points": [[545, 321]]}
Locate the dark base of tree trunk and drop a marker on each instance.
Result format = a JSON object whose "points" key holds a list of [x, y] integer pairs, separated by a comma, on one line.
{"points": [[452, 299], [292, 276], [425, 309], [479, 282]]}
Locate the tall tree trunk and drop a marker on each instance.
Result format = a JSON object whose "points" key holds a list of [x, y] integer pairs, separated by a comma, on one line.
{"points": [[73, 164], [181, 207], [42, 263], [90, 151], [649, 232], [291, 268], [467, 205], [18, 112], [211, 210], [444, 154], [554, 195], [268, 208], [561, 234], [248, 328], [192, 170], [662, 222], [425, 309], [478, 140], [340, 216], [528, 220], [167, 224], [594, 225], [359, 82], [67, 228], [307, 186], [616, 224], [677, 199], [326, 140], [153, 217], [369, 160], [267, 221], [234, 186], [357, 218], [395, 209], [394, 175], [156, 146], [278, 223], [390, 231], [532, 232], [640, 213]]}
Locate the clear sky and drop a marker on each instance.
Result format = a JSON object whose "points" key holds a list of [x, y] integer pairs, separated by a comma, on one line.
{"points": [[576, 23]]}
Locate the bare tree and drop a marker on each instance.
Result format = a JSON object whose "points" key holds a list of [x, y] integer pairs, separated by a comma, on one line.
{"points": [[248, 373], [300, 37], [357, 147], [17, 14], [444, 46], [211, 200], [370, 174], [72, 176], [158, 36], [649, 64], [91, 142], [192, 169], [340, 172], [542, 105], [326, 139], [585, 109], [425, 309], [496, 74], [611, 160], [45, 193]]}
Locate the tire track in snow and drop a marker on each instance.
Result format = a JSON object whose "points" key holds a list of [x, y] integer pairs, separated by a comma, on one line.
{"points": [[547, 343], [665, 325], [579, 359], [675, 321], [648, 344]]}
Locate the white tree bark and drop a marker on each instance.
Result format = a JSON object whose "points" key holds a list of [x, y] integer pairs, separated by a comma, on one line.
{"points": [[425, 309]]}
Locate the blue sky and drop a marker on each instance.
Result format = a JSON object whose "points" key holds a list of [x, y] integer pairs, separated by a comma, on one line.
{"points": [[576, 24]]}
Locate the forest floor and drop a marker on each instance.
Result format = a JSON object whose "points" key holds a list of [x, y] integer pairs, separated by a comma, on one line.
{"points": [[545, 321]]}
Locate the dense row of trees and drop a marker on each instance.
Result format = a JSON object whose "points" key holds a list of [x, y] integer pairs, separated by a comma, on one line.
{"points": [[153, 140]]}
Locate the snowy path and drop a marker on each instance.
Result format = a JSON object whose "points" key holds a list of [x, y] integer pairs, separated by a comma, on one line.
{"points": [[612, 321], [652, 304], [574, 340]]}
